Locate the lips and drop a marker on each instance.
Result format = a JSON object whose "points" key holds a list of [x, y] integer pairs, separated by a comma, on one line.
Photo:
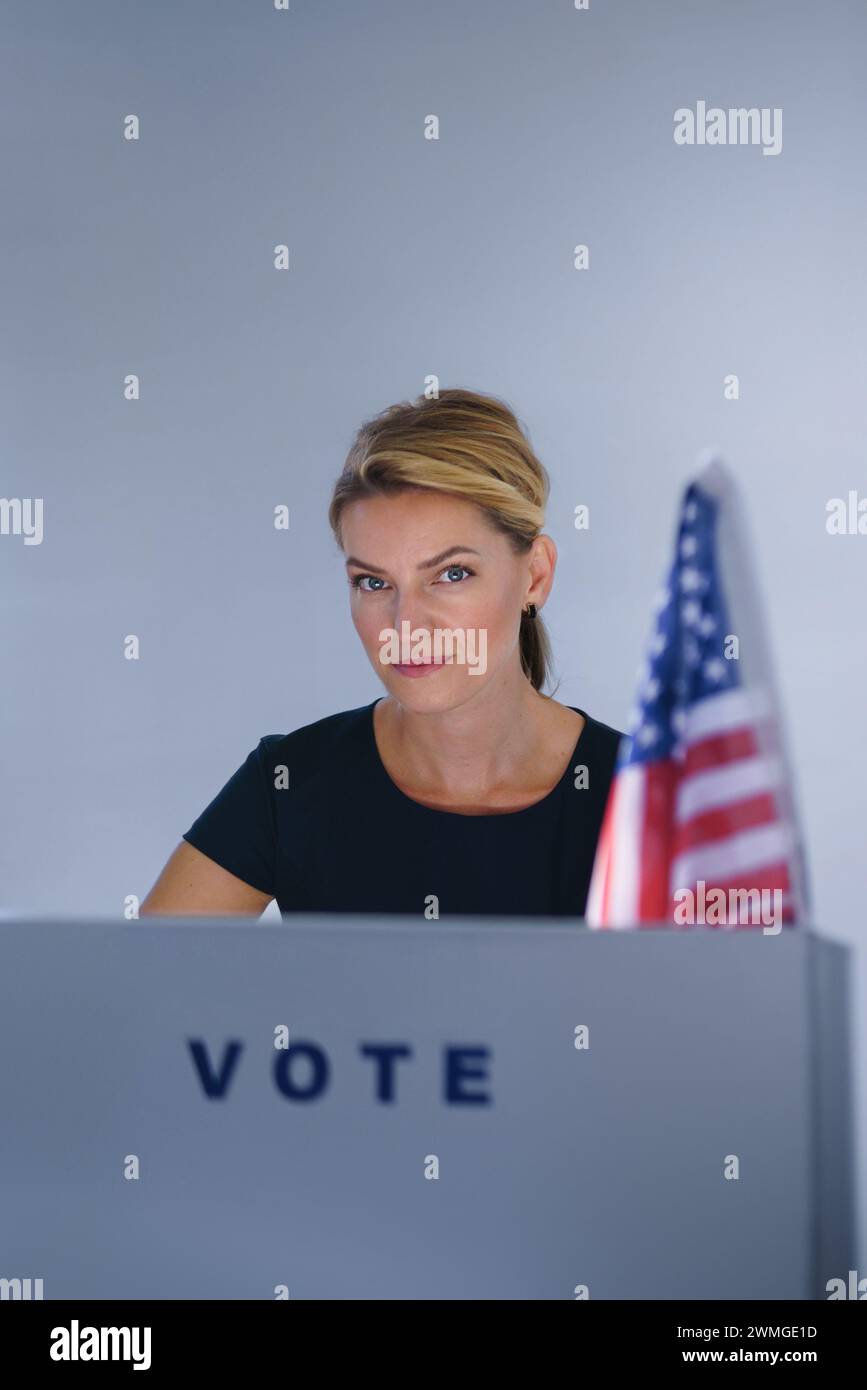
{"points": [[420, 668]]}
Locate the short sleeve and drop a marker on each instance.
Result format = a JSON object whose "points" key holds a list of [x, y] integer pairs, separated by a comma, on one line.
{"points": [[237, 829]]}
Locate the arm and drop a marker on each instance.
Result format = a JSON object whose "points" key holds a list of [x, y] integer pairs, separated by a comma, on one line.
{"points": [[192, 884]]}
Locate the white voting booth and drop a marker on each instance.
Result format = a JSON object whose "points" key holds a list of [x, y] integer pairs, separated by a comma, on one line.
{"points": [[357, 1108]]}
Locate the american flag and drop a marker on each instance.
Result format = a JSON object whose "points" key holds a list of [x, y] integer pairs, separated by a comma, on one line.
{"points": [[701, 798]]}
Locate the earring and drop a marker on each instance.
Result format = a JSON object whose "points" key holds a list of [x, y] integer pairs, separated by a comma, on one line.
{"points": [[530, 610]]}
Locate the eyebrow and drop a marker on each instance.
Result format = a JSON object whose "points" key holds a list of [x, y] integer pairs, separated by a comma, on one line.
{"points": [[425, 564]]}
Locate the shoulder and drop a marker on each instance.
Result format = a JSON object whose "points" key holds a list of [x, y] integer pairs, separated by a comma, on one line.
{"points": [[335, 740], [603, 739]]}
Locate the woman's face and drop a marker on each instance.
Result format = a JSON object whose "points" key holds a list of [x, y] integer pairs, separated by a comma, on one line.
{"points": [[422, 565]]}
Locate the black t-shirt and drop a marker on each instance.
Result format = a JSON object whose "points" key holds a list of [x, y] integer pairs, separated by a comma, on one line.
{"points": [[313, 819]]}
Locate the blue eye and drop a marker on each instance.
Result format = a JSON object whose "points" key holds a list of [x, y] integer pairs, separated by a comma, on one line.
{"points": [[465, 569], [356, 583]]}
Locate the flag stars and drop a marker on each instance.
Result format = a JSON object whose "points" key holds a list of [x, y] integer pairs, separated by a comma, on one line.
{"points": [[691, 652], [684, 664], [715, 669], [691, 580], [635, 718]]}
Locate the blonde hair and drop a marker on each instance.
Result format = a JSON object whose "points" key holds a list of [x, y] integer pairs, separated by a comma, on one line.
{"points": [[470, 446]]}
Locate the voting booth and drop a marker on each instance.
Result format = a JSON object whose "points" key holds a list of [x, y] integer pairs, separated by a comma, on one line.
{"points": [[355, 1108]]}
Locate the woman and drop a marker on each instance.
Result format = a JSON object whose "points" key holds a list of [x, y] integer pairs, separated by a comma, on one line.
{"points": [[464, 789]]}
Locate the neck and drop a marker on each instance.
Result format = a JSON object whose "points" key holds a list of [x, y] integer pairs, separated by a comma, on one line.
{"points": [[474, 747]]}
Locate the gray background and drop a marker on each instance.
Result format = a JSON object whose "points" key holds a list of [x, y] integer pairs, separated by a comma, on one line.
{"points": [[408, 257]]}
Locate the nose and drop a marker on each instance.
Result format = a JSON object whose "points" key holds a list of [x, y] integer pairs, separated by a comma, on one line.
{"points": [[410, 607]]}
